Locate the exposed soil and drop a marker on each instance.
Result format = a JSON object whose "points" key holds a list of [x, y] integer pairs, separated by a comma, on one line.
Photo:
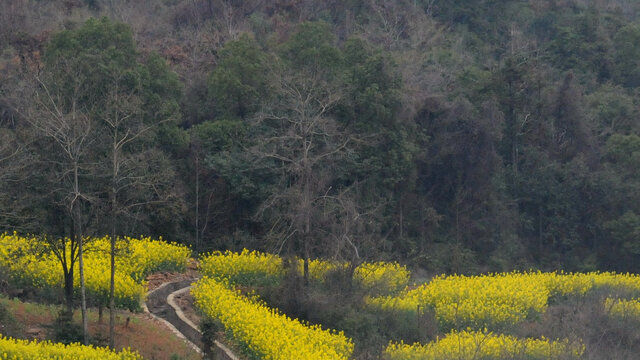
{"points": [[157, 279], [140, 332]]}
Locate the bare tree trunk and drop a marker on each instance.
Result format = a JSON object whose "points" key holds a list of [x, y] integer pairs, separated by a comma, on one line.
{"points": [[540, 231], [306, 260], [112, 195], [83, 297], [112, 302], [306, 191], [77, 223], [197, 204], [68, 288]]}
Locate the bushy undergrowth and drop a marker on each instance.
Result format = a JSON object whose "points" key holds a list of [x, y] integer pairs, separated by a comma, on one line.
{"points": [[8, 324]]}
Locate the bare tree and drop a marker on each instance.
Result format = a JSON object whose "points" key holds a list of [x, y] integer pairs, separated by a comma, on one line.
{"points": [[14, 162], [134, 176], [53, 110], [303, 142]]}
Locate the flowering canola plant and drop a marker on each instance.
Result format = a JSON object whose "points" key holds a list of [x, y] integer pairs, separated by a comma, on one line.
{"points": [[12, 349], [623, 309], [382, 275], [265, 332], [30, 263], [251, 268], [246, 267], [473, 345], [318, 268], [498, 299]]}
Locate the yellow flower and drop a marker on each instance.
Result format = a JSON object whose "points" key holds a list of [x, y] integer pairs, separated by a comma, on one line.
{"points": [[30, 263], [12, 349], [266, 332], [471, 345], [496, 300]]}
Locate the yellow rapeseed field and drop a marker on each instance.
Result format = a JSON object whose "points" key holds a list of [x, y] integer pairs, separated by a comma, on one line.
{"points": [[266, 332], [497, 300], [624, 309], [30, 263], [251, 268], [12, 349], [246, 267], [475, 345], [383, 276]]}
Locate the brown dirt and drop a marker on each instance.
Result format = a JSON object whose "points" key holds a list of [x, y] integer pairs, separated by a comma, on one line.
{"points": [[36, 333], [157, 279], [151, 338]]}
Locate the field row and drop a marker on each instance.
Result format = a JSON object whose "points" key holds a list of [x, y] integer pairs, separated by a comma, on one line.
{"points": [[265, 333], [464, 345], [501, 300]]}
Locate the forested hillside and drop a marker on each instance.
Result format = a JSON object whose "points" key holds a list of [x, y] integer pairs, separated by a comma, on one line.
{"points": [[454, 136]]}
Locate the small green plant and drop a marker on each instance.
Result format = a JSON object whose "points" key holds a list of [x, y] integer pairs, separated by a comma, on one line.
{"points": [[65, 331], [8, 325]]}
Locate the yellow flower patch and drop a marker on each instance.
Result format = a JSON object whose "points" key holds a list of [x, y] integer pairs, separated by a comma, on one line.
{"points": [[29, 262], [624, 309], [246, 267], [498, 299], [472, 345], [385, 276], [11, 349], [252, 268], [266, 332]]}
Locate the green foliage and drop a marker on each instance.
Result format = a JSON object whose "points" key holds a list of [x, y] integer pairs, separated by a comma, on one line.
{"points": [[219, 135], [92, 56], [65, 330], [9, 327], [369, 109], [624, 151], [626, 232], [311, 50], [611, 111], [502, 132], [97, 39], [374, 86], [479, 16], [162, 89], [627, 55], [239, 84]]}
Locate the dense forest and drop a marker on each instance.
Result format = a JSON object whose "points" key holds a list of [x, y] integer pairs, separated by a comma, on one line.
{"points": [[457, 136]]}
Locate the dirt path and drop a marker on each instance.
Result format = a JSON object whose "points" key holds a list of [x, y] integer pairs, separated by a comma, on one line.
{"points": [[167, 303]]}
